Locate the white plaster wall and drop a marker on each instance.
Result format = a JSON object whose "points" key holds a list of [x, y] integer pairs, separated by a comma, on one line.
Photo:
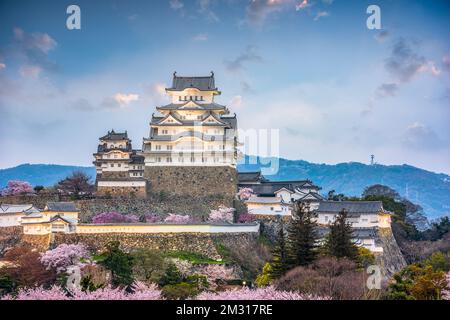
{"points": [[166, 228]]}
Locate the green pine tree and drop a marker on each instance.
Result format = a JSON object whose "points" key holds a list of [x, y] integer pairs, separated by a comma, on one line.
{"points": [[302, 236], [119, 263], [339, 241], [279, 262], [172, 276]]}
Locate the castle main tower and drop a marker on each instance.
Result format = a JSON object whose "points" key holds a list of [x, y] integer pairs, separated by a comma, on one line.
{"points": [[192, 145]]}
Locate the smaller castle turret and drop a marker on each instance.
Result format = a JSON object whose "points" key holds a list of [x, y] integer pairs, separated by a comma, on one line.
{"points": [[120, 169]]}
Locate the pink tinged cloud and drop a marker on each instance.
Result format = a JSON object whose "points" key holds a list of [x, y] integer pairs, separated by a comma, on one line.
{"points": [[125, 99], [30, 71]]}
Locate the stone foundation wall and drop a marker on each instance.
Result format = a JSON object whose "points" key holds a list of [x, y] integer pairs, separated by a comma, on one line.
{"points": [[200, 243], [161, 204], [392, 260], [193, 181], [140, 192], [39, 200], [9, 237]]}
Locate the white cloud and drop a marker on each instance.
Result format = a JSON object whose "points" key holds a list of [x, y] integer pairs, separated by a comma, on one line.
{"points": [[2, 66], [201, 37], [125, 99], [321, 14], [176, 4]]}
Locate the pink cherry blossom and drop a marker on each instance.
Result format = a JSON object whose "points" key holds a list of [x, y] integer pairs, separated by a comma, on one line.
{"points": [[177, 218], [446, 293], [140, 292], [245, 193], [223, 214], [16, 187], [264, 293], [64, 256]]}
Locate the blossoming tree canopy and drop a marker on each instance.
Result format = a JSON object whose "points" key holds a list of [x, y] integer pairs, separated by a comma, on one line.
{"points": [[177, 218], [265, 293], [63, 256], [223, 214], [17, 187], [245, 193], [140, 291], [114, 217]]}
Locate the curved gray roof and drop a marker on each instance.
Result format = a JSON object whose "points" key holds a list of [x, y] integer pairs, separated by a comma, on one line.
{"points": [[352, 207], [61, 206], [205, 83]]}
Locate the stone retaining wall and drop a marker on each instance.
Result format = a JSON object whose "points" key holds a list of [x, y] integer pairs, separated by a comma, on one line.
{"points": [[192, 181], [200, 243]]}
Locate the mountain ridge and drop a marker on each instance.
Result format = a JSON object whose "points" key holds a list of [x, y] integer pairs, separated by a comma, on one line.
{"points": [[426, 188]]}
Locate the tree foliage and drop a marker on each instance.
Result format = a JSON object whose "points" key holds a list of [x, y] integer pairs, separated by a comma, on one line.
{"points": [[339, 241], [77, 184], [417, 282], [119, 263], [302, 236]]}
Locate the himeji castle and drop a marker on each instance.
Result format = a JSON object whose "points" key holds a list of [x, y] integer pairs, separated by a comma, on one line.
{"points": [[192, 130], [192, 148]]}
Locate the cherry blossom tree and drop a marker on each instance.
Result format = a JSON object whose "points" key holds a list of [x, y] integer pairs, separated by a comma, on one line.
{"points": [[446, 293], [63, 256], [264, 293], [152, 218], [17, 187], [217, 272], [177, 218], [114, 217], [140, 291], [223, 214], [245, 193], [246, 217]]}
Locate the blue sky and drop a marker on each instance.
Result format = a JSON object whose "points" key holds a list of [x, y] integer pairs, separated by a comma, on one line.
{"points": [[336, 90]]}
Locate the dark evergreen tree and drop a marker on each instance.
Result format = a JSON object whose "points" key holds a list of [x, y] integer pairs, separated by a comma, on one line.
{"points": [[280, 263], [119, 263], [302, 236], [172, 276], [339, 241]]}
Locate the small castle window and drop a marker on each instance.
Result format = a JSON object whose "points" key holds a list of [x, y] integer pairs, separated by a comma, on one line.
{"points": [[192, 159], [112, 165], [169, 159], [169, 147]]}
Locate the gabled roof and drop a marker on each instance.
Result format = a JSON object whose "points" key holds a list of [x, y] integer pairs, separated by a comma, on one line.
{"points": [[112, 135], [254, 176], [312, 196], [17, 208], [205, 83], [61, 206], [352, 207], [58, 217]]}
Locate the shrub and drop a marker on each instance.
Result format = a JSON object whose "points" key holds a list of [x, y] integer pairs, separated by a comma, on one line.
{"points": [[266, 293], [177, 218], [26, 270], [329, 277], [182, 290]]}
